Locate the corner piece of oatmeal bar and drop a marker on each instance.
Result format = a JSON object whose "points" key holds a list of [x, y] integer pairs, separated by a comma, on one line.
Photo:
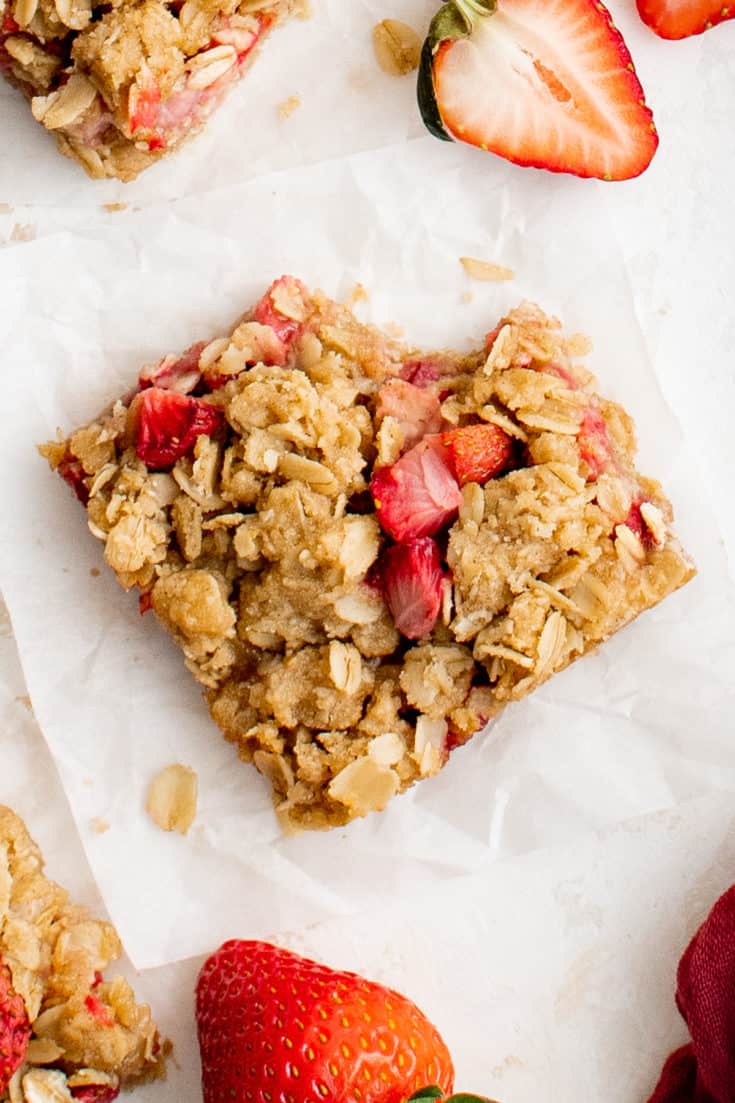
{"points": [[66, 1033], [364, 551], [121, 83]]}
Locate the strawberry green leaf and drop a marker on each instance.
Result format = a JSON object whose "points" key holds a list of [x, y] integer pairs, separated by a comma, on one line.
{"points": [[431, 1092]]}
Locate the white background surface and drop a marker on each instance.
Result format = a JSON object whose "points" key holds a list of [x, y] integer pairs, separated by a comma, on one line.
{"points": [[578, 945]]}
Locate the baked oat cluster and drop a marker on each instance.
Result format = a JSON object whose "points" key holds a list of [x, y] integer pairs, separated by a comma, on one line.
{"points": [[364, 551], [121, 83], [66, 1033]]}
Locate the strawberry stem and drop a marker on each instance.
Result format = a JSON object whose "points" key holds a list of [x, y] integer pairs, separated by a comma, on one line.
{"points": [[470, 9]]}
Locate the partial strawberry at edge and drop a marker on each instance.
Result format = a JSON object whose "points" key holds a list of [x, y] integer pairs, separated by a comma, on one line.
{"points": [[15, 1028], [544, 83], [418, 494], [675, 19], [274, 1025], [166, 425], [175, 373], [267, 313], [412, 580], [94, 1093]]}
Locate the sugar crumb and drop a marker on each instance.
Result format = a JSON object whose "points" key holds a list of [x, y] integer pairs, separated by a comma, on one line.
{"points": [[111, 207], [99, 825], [25, 701], [94, 571]]}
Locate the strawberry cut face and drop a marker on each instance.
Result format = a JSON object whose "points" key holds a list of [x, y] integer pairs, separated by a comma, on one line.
{"points": [[418, 494], [544, 83], [166, 425]]}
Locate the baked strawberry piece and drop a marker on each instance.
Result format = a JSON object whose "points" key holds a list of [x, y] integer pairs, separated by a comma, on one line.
{"points": [[66, 1033], [121, 85], [273, 1024], [363, 551]]}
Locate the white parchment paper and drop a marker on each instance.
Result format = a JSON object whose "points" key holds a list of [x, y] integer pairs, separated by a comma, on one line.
{"points": [[641, 726], [550, 976]]}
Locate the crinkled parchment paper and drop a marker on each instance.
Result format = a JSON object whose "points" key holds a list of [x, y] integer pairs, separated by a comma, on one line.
{"points": [[640, 726]]}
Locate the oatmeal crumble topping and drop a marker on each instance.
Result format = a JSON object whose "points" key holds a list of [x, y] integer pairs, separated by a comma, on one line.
{"points": [[84, 1036], [365, 551]]}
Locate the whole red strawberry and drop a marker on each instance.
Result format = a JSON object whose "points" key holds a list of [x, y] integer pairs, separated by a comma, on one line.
{"points": [[276, 1027], [15, 1029]]}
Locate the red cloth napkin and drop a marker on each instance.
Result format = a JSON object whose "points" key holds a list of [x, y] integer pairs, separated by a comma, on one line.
{"points": [[704, 1071]]}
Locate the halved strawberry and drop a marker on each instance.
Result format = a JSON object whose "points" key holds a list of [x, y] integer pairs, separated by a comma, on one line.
{"points": [[416, 410], [166, 425], [682, 18], [269, 313], [547, 83], [175, 373], [411, 576], [478, 452], [418, 494]]}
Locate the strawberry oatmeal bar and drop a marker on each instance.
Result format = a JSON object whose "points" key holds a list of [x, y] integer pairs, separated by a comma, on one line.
{"points": [[364, 551], [120, 83], [66, 1033]]}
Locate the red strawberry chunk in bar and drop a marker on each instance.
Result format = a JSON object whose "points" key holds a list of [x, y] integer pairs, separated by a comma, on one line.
{"points": [[167, 424], [416, 410], [73, 473], [636, 524], [412, 580], [595, 446], [175, 373], [478, 452], [94, 1093], [143, 106], [15, 1029], [98, 1010], [418, 494], [267, 312], [422, 373]]}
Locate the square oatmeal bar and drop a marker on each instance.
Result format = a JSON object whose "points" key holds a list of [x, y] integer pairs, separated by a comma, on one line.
{"points": [[121, 83], [365, 551], [66, 1033]]}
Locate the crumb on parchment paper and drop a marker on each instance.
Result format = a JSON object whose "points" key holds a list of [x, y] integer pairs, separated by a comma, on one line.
{"points": [[485, 270], [112, 207], [397, 47], [23, 232], [287, 107], [172, 798], [99, 825]]}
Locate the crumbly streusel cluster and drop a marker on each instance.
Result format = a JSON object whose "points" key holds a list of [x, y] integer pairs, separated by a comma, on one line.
{"points": [[363, 551], [85, 1036], [120, 83]]}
